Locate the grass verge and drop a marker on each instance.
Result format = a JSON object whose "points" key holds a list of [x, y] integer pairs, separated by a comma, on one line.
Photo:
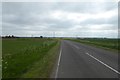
{"points": [[20, 56], [43, 68]]}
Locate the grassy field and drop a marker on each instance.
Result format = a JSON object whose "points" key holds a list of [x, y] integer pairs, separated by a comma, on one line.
{"points": [[111, 44], [28, 57]]}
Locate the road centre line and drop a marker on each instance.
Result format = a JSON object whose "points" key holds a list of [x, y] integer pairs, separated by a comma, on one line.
{"points": [[76, 46], [103, 63]]}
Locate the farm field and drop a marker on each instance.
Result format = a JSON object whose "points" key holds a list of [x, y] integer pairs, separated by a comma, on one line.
{"points": [[28, 57], [111, 44]]}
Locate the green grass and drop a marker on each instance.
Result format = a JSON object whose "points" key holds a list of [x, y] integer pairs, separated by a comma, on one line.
{"points": [[42, 68], [20, 56], [111, 44]]}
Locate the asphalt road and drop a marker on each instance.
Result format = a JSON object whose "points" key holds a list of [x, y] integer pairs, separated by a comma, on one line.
{"points": [[78, 60]]}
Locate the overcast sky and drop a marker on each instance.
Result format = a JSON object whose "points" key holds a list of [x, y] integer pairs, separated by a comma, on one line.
{"points": [[64, 19]]}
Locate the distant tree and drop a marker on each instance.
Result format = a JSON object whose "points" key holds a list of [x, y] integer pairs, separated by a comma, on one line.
{"points": [[12, 36], [9, 36], [5, 36], [41, 36]]}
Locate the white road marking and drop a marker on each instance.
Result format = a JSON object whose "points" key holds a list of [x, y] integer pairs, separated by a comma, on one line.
{"points": [[104, 63], [58, 63], [73, 45], [76, 46]]}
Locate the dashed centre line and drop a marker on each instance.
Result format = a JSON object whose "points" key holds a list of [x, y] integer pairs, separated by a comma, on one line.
{"points": [[103, 63], [76, 46], [100, 61]]}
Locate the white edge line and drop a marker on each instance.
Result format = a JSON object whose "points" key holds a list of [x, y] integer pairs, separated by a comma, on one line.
{"points": [[104, 64], [58, 63]]}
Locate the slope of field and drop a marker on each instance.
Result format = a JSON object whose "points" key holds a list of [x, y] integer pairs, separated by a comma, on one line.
{"points": [[111, 44], [19, 56]]}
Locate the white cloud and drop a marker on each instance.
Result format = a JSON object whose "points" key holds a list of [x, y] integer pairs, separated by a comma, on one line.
{"points": [[66, 19], [102, 27], [60, 0], [105, 15], [76, 28], [80, 17]]}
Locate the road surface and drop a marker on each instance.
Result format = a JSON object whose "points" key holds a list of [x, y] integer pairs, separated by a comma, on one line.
{"points": [[78, 60]]}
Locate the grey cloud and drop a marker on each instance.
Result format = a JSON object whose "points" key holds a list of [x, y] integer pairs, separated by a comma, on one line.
{"points": [[86, 7], [25, 17], [113, 20]]}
